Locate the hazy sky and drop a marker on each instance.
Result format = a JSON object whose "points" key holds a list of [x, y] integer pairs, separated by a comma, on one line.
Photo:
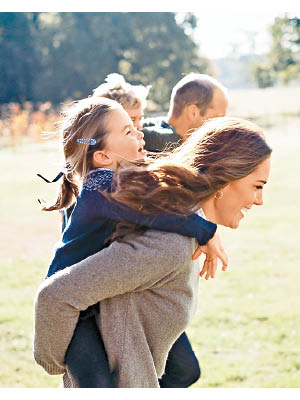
{"points": [[243, 25], [222, 23], [241, 33]]}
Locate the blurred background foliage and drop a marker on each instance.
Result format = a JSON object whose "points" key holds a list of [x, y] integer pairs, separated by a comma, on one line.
{"points": [[57, 56], [48, 59], [48, 56], [282, 63]]}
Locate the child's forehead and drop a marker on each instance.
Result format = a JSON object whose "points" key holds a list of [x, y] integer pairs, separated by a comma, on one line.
{"points": [[119, 110], [134, 112], [119, 118]]}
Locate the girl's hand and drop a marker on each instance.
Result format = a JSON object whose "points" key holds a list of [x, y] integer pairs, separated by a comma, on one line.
{"points": [[213, 251]]}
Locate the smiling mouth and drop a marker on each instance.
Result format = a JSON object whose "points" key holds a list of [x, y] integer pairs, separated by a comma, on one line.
{"points": [[141, 149], [244, 211]]}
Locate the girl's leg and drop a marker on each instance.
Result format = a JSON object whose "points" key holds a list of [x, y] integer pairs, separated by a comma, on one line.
{"points": [[86, 356], [182, 368]]}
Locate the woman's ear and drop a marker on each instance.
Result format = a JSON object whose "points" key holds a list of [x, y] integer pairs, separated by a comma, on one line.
{"points": [[101, 159]]}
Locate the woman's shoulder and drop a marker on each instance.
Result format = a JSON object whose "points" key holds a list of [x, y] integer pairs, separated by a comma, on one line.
{"points": [[98, 179]]}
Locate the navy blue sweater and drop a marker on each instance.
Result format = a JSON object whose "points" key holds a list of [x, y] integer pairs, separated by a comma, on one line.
{"points": [[94, 216]]}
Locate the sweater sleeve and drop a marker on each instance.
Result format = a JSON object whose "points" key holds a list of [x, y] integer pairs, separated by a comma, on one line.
{"points": [[123, 267]]}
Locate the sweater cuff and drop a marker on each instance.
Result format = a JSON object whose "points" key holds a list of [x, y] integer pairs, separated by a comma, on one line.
{"points": [[51, 369]]}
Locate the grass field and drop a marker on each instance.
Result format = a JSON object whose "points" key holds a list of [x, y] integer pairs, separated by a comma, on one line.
{"points": [[247, 329]]}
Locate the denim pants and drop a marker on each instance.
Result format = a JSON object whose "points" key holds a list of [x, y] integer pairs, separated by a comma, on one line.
{"points": [[182, 367]]}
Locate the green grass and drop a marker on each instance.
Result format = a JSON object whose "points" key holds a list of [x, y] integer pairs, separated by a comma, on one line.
{"points": [[27, 240], [246, 332]]}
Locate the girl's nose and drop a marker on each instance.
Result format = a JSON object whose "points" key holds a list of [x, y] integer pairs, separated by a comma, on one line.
{"points": [[138, 125]]}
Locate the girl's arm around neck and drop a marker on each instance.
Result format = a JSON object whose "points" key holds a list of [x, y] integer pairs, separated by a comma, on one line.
{"points": [[191, 226], [95, 205]]}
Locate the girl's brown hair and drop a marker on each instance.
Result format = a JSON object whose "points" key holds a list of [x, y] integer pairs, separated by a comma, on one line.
{"points": [[221, 151], [83, 132]]}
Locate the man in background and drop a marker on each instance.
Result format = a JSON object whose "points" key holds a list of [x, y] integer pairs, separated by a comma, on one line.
{"points": [[194, 99]]}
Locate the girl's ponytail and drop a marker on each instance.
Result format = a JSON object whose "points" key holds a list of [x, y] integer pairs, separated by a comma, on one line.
{"points": [[67, 194]]}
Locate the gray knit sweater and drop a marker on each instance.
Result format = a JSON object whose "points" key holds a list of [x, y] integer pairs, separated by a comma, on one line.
{"points": [[148, 291]]}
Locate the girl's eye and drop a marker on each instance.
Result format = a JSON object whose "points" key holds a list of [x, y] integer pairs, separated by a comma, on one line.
{"points": [[259, 187], [128, 132]]}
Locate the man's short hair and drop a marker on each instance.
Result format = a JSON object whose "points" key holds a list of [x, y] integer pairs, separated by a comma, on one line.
{"points": [[193, 89]]}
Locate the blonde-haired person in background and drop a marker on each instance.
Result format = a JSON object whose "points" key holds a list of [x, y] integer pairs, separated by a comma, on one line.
{"points": [[131, 97], [147, 284]]}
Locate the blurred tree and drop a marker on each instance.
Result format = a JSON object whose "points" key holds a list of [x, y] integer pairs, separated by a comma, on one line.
{"points": [[263, 75], [159, 52], [18, 58], [77, 50], [283, 60]]}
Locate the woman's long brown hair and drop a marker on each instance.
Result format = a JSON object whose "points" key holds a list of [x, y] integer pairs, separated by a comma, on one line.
{"points": [[221, 151]]}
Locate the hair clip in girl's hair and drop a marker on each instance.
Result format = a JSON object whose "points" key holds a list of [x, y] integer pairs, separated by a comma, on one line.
{"points": [[90, 141]]}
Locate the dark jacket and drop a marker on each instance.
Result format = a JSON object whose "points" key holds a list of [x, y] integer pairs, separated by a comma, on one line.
{"points": [[159, 135]]}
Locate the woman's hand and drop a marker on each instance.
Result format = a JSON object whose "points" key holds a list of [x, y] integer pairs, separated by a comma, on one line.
{"points": [[213, 251]]}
